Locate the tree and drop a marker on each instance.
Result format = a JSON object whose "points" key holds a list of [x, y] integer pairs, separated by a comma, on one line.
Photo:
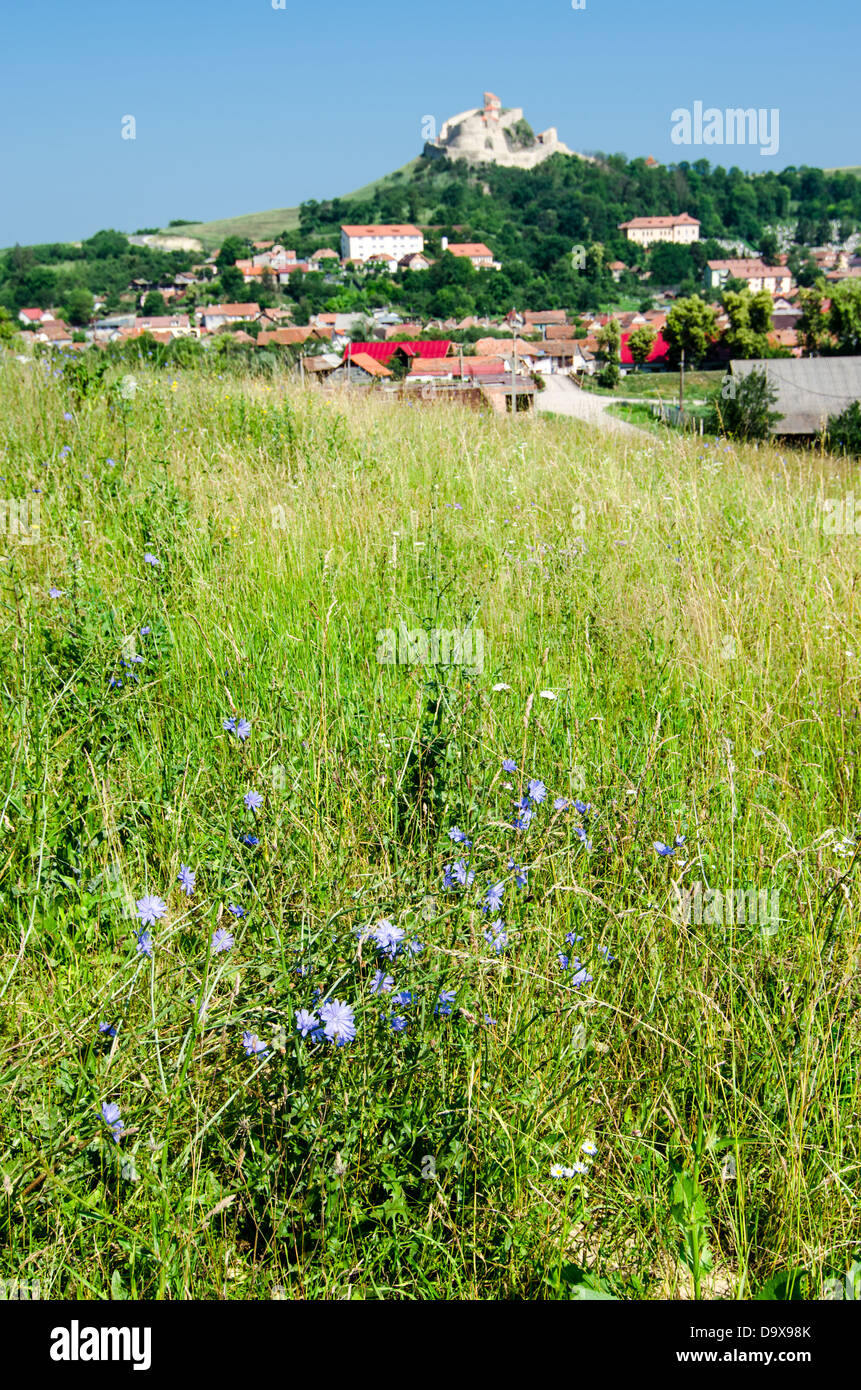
{"points": [[154, 305], [691, 328], [844, 431], [232, 285], [670, 264], [749, 323], [641, 342], [742, 408], [844, 317], [8, 326], [812, 327], [79, 307], [232, 249], [609, 340], [769, 248]]}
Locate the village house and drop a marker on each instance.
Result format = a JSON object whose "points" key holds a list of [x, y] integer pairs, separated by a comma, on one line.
{"points": [[214, 316], [30, 317], [361, 241], [568, 356], [474, 251], [809, 389], [756, 274], [646, 231]]}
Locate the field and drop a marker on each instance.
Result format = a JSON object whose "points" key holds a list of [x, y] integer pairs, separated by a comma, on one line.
{"points": [[568, 919]]}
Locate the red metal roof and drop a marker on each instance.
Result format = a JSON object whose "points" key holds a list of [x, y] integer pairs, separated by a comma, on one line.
{"points": [[660, 348], [381, 352]]}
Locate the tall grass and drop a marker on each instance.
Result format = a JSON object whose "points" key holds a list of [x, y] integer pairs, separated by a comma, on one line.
{"points": [[670, 638]]}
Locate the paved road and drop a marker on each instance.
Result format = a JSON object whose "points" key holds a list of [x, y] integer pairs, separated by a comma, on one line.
{"points": [[564, 398]]}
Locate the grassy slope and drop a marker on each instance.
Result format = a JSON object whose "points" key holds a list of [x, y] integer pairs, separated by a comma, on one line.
{"points": [[694, 625], [261, 225]]}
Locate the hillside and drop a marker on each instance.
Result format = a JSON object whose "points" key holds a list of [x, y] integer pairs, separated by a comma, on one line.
{"points": [[261, 226]]}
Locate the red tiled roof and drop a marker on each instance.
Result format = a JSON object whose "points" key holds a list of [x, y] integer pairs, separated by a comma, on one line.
{"points": [[683, 220], [469, 248], [244, 311], [380, 229], [369, 364]]}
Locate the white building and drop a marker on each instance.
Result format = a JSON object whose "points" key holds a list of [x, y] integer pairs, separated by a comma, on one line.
{"points": [[393, 240], [645, 231]]}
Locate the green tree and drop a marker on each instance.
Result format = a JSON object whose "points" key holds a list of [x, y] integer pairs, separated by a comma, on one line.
{"points": [[769, 248], [232, 285], [8, 326], [844, 431], [844, 316], [812, 327], [233, 248], [742, 409], [749, 322], [79, 307], [691, 327], [154, 305], [641, 342]]}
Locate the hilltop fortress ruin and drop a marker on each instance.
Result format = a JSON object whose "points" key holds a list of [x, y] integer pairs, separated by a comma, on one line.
{"points": [[491, 134]]}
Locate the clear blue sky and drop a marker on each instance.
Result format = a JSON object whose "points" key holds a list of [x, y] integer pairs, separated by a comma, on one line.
{"points": [[240, 107]]}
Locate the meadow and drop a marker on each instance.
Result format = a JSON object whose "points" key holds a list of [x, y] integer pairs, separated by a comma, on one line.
{"points": [[328, 976]]}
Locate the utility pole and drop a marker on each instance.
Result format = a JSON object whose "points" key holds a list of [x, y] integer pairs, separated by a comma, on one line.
{"points": [[514, 376], [682, 385]]}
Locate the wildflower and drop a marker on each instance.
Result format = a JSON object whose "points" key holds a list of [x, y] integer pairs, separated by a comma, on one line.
{"points": [[445, 1001], [145, 631], [404, 999], [398, 1023], [502, 686], [339, 1024], [253, 1046], [537, 790], [381, 983], [547, 695], [111, 1117], [556, 1170], [605, 952], [493, 897], [579, 1167], [229, 725], [115, 682], [457, 835], [580, 976], [67, 415], [462, 874], [663, 849], [582, 807], [307, 1022], [496, 936], [253, 800], [561, 803], [236, 909], [562, 959], [150, 909], [243, 729], [414, 948], [150, 559], [491, 1022], [679, 841], [519, 873], [387, 937], [572, 938], [250, 840], [186, 879], [109, 1029], [221, 941], [521, 822], [581, 835], [144, 946], [589, 1148], [509, 765], [55, 593]]}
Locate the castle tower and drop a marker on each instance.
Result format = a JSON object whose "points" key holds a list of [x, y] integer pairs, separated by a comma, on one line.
{"points": [[492, 107]]}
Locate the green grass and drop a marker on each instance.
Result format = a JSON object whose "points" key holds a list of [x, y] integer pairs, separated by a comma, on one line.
{"points": [[659, 385], [260, 226], [699, 633]]}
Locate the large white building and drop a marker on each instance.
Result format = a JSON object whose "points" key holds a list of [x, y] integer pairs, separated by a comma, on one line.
{"points": [[646, 231], [394, 240]]}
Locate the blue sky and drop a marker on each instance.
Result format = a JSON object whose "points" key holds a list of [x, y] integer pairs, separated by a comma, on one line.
{"points": [[240, 107]]}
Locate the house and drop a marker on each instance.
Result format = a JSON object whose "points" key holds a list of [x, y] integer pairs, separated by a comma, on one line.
{"points": [[360, 369], [565, 355], [536, 321], [506, 347], [284, 272], [184, 278], [381, 260], [361, 241], [324, 254], [474, 251], [617, 269], [214, 316], [809, 389], [383, 352], [293, 337], [321, 367], [174, 325], [646, 231], [29, 317], [786, 338], [756, 274], [54, 332], [416, 261]]}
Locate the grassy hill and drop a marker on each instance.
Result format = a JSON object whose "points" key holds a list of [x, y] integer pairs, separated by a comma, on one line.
{"points": [[580, 1090], [260, 226]]}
